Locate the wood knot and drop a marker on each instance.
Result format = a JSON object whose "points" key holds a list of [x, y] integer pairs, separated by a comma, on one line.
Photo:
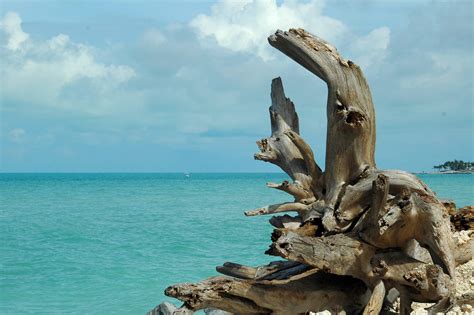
{"points": [[379, 266], [416, 277], [354, 118]]}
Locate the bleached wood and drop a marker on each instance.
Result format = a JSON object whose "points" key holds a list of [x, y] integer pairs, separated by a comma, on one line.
{"points": [[316, 292], [350, 140], [278, 208], [353, 221], [376, 299], [343, 255], [279, 148]]}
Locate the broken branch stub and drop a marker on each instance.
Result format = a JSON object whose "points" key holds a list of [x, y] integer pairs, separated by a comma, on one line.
{"points": [[295, 159]]}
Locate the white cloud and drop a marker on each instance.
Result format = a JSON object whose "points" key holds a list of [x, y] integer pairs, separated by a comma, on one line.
{"points": [[186, 73], [441, 71], [43, 71], [371, 50], [243, 26], [11, 25], [153, 37]]}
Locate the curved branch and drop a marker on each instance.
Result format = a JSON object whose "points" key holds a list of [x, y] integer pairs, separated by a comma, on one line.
{"points": [[357, 197], [277, 208], [294, 189], [350, 142]]}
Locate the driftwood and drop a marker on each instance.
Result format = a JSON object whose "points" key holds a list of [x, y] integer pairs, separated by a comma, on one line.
{"points": [[357, 231], [463, 219], [316, 291]]}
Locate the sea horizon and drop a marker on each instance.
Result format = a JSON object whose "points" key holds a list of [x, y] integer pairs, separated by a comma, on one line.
{"points": [[199, 172]]}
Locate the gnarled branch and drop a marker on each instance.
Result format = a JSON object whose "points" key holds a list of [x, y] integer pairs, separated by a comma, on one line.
{"points": [[315, 291], [350, 142], [354, 221]]}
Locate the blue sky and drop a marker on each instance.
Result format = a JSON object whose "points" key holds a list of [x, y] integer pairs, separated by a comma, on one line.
{"points": [[165, 86]]}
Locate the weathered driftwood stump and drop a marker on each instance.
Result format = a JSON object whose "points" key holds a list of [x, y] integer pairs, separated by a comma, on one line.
{"points": [[355, 228]]}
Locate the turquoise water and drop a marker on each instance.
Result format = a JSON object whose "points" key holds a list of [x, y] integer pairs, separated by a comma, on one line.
{"points": [[111, 243]]}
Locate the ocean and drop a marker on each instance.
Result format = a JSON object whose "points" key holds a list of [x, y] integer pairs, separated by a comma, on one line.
{"points": [[111, 243]]}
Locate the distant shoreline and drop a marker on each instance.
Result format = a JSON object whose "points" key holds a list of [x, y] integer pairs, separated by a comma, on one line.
{"points": [[448, 172]]}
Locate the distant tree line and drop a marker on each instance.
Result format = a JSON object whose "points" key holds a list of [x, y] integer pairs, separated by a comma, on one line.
{"points": [[455, 166]]}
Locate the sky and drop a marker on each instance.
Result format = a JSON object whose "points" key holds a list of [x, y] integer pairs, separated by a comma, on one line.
{"points": [[184, 86]]}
